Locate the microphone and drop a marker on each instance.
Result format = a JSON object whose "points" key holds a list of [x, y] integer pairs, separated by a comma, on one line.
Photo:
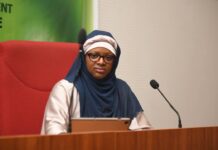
{"points": [[81, 40], [154, 84], [82, 36]]}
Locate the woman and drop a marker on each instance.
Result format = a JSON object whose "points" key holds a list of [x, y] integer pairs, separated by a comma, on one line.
{"points": [[91, 89]]}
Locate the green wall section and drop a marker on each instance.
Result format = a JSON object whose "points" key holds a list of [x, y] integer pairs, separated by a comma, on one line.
{"points": [[44, 20]]}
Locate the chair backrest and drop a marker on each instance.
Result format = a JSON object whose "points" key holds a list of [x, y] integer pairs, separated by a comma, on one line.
{"points": [[28, 71]]}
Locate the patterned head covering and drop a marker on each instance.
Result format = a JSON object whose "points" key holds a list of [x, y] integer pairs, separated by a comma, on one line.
{"points": [[100, 41]]}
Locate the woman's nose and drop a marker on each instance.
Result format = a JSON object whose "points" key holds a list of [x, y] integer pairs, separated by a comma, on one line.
{"points": [[101, 60]]}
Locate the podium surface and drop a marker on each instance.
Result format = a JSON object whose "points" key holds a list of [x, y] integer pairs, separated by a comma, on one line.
{"points": [[200, 138]]}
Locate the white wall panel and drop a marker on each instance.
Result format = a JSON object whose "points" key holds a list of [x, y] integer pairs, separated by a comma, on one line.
{"points": [[174, 42]]}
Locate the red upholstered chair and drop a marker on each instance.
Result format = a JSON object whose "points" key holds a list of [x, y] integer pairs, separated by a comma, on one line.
{"points": [[28, 71]]}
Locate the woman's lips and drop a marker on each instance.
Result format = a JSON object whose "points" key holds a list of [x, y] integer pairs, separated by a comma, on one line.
{"points": [[100, 70]]}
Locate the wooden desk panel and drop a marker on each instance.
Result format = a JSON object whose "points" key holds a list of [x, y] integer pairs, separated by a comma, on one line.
{"points": [[205, 138]]}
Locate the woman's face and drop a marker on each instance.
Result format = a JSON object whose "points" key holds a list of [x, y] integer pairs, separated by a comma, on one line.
{"points": [[99, 62]]}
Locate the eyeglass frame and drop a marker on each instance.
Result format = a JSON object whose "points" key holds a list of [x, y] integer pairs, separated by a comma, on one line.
{"points": [[111, 56]]}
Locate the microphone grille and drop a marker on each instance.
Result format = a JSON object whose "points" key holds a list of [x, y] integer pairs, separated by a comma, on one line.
{"points": [[82, 36], [154, 84]]}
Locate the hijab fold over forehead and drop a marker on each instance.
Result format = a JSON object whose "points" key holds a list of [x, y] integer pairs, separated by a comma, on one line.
{"points": [[107, 97], [100, 41]]}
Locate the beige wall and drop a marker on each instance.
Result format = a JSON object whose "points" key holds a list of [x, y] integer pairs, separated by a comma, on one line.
{"points": [[174, 42]]}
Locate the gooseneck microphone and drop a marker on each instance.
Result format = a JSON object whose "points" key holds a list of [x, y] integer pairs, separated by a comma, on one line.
{"points": [[154, 84], [81, 37]]}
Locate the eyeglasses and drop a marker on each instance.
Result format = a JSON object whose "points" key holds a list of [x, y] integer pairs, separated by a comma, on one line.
{"points": [[96, 57]]}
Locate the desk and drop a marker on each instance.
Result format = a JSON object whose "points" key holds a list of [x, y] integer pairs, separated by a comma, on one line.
{"points": [[200, 138]]}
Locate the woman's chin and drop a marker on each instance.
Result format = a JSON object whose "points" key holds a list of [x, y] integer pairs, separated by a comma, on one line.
{"points": [[99, 76]]}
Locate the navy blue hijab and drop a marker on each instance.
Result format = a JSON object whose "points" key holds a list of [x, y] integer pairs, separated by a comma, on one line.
{"points": [[107, 97]]}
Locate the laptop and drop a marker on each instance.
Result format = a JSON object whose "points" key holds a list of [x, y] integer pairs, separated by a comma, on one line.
{"points": [[99, 124]]}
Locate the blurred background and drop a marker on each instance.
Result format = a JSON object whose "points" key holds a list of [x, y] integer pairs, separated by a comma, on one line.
{"points": [[45, 20]]}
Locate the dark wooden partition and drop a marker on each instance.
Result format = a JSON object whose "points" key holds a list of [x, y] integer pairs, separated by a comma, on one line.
{"points": [[201, 138]]}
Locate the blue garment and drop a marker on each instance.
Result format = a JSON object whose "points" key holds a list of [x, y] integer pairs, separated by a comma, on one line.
{"points": [[107, 97]]}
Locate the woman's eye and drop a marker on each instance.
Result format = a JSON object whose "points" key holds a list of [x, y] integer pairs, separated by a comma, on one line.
{"points": [[94, 56], [109, 58]]}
